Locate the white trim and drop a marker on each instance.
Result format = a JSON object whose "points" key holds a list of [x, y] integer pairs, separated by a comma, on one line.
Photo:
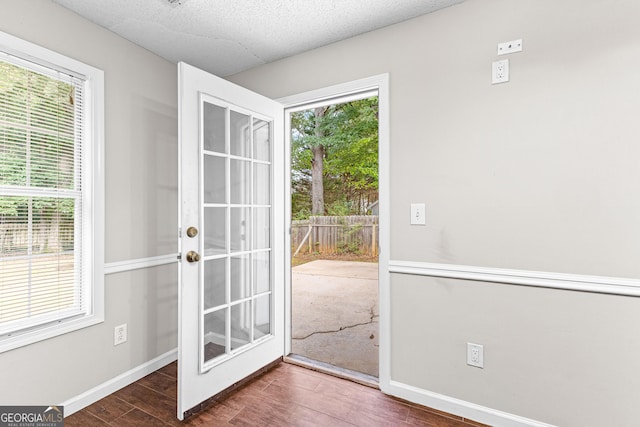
{"points": [[94, 152], [91, 243], [30, 52], [384, 230], [287, 224], [327, 95], [136, 264], [20, 339], [460, 408], [365, 93], [357, 89], [572, 282], [111, 386]]}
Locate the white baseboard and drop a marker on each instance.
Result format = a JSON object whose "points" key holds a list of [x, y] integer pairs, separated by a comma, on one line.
{"points": [[91, 396], [459, 407], [410, 393]]}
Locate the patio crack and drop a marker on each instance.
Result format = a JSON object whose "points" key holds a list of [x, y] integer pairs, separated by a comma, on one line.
{"points": [[342, 328]]}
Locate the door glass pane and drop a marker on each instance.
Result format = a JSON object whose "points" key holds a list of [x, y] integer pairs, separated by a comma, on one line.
{"points": [[261, 272], [213, 128], [240, 134], [240, 277], [214, 231], [214, 282], [240, 325], [261, 140], [214, 334], [262, 316], [240, 185], [214, 177], [261, 178], [261, 228], [236, 229], [240, 229]]}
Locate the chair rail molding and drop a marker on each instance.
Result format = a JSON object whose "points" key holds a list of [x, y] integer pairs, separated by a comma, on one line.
{"points": [[136, 264], [541, 279]]}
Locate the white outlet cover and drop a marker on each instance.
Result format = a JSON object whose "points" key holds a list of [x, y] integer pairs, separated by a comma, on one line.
{"points": [[475, 355], [120, 334], [500, 71]]}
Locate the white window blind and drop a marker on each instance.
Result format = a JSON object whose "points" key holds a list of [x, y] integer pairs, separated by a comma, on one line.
{"points": [[41, 199]]}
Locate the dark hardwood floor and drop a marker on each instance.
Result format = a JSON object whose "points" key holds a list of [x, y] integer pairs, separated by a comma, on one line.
{"points": [[287, 395]]}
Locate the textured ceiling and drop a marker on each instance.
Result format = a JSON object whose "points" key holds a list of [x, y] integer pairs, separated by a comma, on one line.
{"points": [[228, 36]]}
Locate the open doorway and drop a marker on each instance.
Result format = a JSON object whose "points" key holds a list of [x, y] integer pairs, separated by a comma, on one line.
{"points": [[334, 234]]}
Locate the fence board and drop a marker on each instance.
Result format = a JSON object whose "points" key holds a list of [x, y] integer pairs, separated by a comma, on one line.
{"points": [[45, 237], [337, 234]]}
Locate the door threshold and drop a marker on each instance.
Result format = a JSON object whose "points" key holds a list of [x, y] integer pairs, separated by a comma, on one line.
{"points": [[336, 371]]}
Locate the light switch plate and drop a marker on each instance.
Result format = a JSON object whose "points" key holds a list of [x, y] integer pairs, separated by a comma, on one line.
{"points": [[418, 216]]}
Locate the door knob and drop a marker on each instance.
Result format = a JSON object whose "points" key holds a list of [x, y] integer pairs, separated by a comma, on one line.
{"points": [[192, 232], [193, 256]]}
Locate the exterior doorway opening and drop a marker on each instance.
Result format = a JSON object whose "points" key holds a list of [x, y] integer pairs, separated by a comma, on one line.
{"points": [[335, 236]]}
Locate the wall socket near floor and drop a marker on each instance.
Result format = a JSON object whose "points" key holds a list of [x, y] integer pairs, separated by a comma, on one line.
{"points": [[120, 334], [475, 355]]}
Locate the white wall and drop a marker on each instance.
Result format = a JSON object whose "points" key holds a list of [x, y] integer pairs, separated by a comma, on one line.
{"points": [[537, 174], [141, 211]]}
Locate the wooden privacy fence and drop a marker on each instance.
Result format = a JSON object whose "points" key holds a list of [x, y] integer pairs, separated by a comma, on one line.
{"points": [[336, 235], [46, 237]]}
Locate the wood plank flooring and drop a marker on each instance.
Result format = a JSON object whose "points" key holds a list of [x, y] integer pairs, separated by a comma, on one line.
{"points": [[287, 395]]}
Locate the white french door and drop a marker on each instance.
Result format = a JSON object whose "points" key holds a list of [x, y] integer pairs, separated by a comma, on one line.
{"points": [[232, 243]]}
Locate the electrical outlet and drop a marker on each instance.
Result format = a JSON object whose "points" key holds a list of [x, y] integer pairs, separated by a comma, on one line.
{"points": [[120, 334], [500, 71], [475, 355]]}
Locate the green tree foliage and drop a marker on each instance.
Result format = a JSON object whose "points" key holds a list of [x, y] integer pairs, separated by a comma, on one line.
{"points": [[37, 132], [346, 135]]}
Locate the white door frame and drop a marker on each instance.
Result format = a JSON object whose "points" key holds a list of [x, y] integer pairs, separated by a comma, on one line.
{"points": [[324, 96]]}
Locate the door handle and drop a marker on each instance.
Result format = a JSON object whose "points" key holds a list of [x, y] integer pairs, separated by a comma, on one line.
{"points": [[193, 256]]}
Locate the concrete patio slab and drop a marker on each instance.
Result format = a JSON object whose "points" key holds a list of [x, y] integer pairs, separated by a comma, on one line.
{"points": [[335, 313]]}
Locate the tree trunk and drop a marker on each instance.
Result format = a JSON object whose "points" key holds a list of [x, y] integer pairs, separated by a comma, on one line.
{"points": [[317, 166], [317, 187]]}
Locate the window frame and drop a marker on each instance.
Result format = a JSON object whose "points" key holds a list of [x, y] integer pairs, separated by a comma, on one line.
{"points": [[92, 177]]}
